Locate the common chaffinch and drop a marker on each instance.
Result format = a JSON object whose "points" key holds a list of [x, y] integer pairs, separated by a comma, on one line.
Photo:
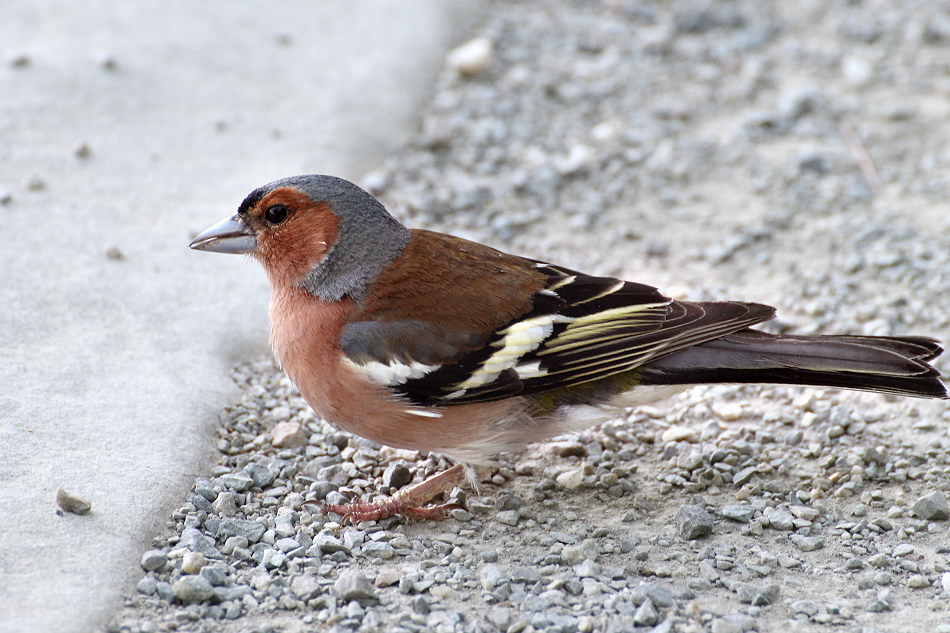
{"points": [[425, 341]]}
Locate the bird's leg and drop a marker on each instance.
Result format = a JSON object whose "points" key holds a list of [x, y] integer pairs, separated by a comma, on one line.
{"points": [[404, 502]]}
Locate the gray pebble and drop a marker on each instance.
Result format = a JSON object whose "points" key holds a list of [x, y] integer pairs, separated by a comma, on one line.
{"points": [[214, 575], [744, 476], [932, 507], [153, 559], [522, 574], [782, 520], [806, 543], [192, 589], [225, 504], [587, 569], [286, 544], [353, 585], [396, 476], [461, 515], [508, 517], [646, 614], [380, 550], [879, 560], [740, 513], [147, 586], [722, 625], [193, 539], [239, 482], [660, 596], [261, 476], [201, 504], [804, 607], [235, 593], [407, 585], [273, 559], [491, 576], [353, 539], [507, 502], [745, 592], [573, 554], [251, 530], [306, 587], [328, 544], [903, 550], [768, 594], [285, 524], [233, 611], [165, 590], [233, 543], [320, 489], [693, 522], [420, 605], [499, 617], [204, 488]]}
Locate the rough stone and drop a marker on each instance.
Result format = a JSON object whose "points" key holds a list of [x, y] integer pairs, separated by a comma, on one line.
{"points": [[692, 522], [353, 585], [740, 513], [932, 507], [288, 435], [191, 589], [153, 559]]}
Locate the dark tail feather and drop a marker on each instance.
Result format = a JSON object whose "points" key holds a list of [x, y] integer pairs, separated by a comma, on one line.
{"points": [[886, 364]]}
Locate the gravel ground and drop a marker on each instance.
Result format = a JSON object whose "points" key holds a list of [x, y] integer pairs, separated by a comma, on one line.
{"points": [[796, 154]]}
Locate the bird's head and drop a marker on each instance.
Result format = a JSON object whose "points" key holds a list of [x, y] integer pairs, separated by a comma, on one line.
{"points": [[321, 233]]}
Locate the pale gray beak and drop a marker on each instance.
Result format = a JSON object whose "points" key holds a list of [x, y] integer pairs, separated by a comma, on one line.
{"points": [[231, 235]]}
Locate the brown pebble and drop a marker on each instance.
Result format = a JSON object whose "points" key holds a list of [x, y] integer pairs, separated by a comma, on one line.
{"points": [[72, 504]]}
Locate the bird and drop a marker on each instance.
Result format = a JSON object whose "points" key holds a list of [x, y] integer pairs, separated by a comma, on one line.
{"points": [[425, 341]]}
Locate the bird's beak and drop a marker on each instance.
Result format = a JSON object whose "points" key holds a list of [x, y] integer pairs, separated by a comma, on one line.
{"points": [[231, 235]]}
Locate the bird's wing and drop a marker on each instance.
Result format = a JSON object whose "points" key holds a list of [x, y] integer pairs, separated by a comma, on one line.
{"points": [[578, 329]]}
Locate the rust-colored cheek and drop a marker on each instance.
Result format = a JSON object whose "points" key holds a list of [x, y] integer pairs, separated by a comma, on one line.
{"points": [[291, 249]]}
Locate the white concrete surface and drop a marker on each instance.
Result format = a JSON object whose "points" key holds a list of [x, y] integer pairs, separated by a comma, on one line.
{"points": [[112, 371]]}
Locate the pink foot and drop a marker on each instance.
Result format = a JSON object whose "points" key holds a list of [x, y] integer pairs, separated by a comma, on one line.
{"points": [[403, 503]]}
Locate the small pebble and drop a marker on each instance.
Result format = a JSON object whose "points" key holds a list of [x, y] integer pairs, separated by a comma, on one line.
{"points": [[646, 614], [191, 589], [804, 607], [807, 543], [918, 581], [472, 58], [571, 479], [693, 522], [192, 562], [18, 60], [288, 435], [680, 434], [932, 507], [508, 517], [72, 504], [353, 585], [153, 559], [388, 577], [574, 554]]}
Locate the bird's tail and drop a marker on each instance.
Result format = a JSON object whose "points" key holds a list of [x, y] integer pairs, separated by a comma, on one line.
{"points": [[898, 365]]}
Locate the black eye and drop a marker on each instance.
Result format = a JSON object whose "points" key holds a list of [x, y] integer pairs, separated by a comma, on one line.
{"points": [[276, 214]]}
